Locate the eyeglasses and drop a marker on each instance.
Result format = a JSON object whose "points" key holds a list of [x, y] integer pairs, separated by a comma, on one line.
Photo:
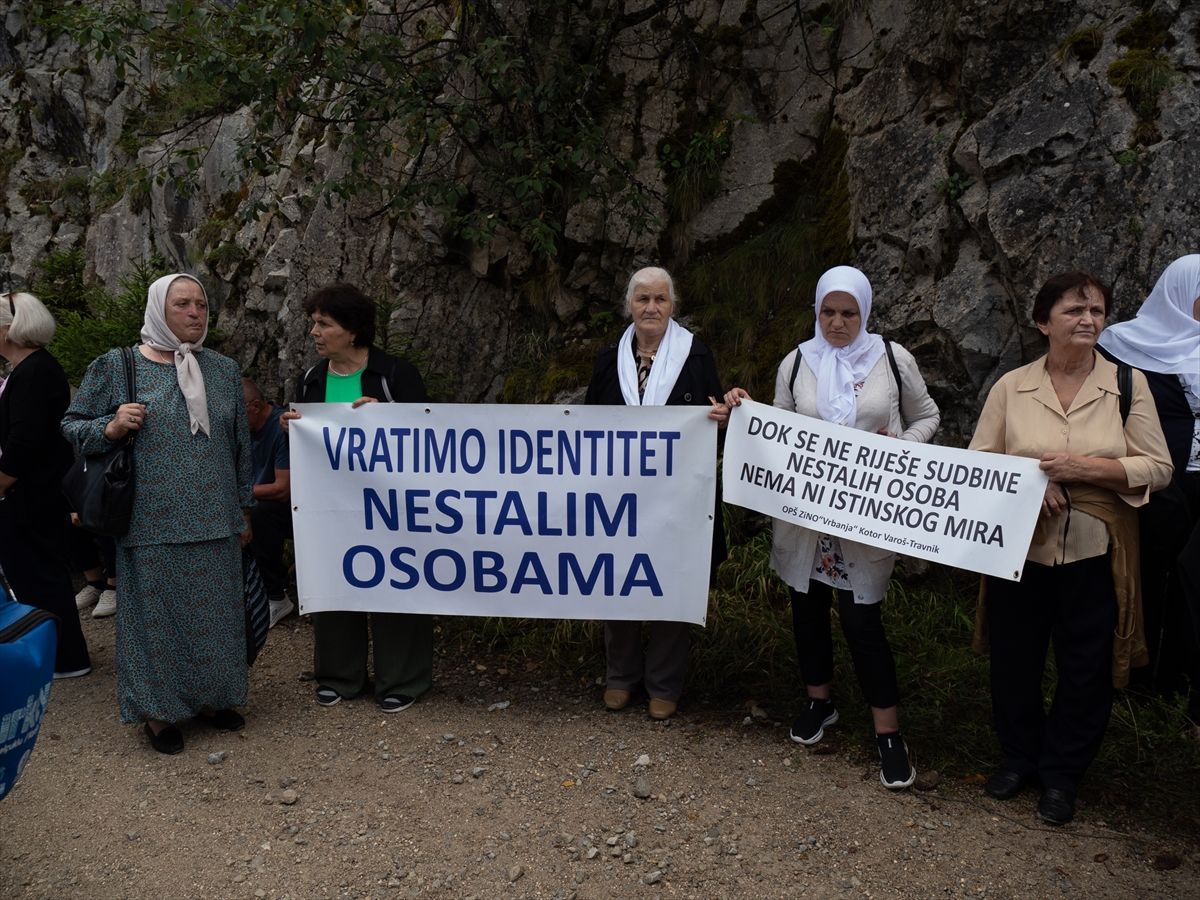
{"points": [[12, 307]]}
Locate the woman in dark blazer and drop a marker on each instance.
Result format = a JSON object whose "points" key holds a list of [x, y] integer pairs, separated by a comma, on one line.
{"points": [[656, 362], [352, 371], [34, 456]]}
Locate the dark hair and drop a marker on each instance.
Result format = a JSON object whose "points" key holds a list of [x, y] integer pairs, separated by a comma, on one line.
{"points": [[348, 306], [1058, 286]]}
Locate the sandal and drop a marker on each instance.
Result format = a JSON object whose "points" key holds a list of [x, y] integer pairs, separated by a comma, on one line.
{"points": [[169, 740], [224, 720]]}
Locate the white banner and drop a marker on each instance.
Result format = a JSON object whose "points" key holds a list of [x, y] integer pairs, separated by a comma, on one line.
{"points": [[973, 510], [580, 512]]}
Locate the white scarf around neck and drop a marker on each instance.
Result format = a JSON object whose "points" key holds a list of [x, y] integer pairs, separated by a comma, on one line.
{"points": [[672, 353], [157, 335], [1163, 337], [838, 369]]}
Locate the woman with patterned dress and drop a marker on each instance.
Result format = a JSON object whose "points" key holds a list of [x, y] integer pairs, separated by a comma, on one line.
{"points": [[181, 646], [847, 375]]}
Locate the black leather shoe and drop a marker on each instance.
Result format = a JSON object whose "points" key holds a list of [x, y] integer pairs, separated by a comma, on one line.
{"points": [[169, 740], [1005, 784], [224, 720], [1057, 807]]}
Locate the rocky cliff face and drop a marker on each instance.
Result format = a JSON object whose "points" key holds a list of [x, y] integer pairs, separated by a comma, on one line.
{"points": [[988, 146]]}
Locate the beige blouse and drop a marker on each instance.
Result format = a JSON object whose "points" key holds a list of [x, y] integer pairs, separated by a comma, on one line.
{"points": [[1023, 417]]}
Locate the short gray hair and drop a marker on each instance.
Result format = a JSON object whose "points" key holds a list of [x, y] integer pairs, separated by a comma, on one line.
{"points": [[645, 276], [29, 322]]}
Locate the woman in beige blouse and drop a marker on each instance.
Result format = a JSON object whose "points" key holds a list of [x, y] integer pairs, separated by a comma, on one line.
{"points": [[1080, 585]]}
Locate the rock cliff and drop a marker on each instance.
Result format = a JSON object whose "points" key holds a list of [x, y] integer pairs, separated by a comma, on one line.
{"points": [[983, 146]]}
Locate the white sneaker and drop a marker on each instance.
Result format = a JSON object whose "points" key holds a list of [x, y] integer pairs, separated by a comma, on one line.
{"points": [[281, 609], [107, 605], [87, 596]]}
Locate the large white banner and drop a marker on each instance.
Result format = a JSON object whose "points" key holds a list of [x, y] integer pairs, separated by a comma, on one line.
{"points": [[973, 510], [594, 512]]}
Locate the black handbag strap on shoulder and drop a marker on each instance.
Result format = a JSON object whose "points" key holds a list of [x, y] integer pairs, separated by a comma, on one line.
{"points": [[1124, 389], [130, 381], [887, 345]]}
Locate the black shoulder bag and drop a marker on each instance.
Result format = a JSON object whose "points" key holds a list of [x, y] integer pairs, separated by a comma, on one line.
{"points": [[100, 488]]}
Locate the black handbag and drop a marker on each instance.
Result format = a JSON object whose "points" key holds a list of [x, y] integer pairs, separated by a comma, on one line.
{"points": [[100, 488]]}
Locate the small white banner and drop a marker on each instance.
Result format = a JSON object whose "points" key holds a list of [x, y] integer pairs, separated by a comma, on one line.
{"points": [[973, 510], [580, 512]]}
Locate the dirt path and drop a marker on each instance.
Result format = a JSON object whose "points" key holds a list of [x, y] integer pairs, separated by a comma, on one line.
{"points": [[465, 796]]}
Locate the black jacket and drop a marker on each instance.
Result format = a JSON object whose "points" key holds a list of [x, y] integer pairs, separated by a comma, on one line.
{"points": [[387, 378], [697, 381], [1174, 414], [31, 410]]}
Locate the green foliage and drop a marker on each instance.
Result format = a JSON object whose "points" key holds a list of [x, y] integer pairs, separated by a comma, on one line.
{"points": [[1142, 75], [1083, 44], [752, 300], [90, 320], [1126, 157], [491, 114], [955, 185], [1149, 30]]}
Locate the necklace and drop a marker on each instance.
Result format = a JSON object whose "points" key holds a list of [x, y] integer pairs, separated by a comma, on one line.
{"points": [[159, 354], [334, 369]]}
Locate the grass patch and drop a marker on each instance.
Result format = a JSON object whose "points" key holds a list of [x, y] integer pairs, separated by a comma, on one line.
{"points": [[1083, 44], [1142, 75]]}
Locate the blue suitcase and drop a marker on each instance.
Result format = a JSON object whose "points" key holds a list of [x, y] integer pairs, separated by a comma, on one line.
{"points": [[27, 643]]}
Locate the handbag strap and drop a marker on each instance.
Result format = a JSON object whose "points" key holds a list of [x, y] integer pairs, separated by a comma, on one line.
{"points": [[130, 383]]}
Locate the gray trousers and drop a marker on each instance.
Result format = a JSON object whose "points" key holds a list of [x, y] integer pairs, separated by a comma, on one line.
{"points": [[661, 666]]}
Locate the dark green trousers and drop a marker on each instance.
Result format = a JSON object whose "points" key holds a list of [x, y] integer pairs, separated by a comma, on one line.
{"points": [[403, 645]]}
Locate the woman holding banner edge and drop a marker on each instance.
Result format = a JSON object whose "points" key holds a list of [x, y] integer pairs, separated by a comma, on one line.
{"points": [[656, 362], [848, 375], [353, 371], [1080, 587]]}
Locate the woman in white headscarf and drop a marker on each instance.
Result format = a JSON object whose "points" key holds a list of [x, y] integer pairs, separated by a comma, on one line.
{"points": [[846, 374], [1163, 340], [181, 649], [657, 362]]}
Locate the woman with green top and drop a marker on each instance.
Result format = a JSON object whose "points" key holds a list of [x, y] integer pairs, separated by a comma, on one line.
{"points": [[352, 371]]}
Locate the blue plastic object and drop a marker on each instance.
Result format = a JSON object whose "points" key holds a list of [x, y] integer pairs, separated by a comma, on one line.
{"points": [[27, 642]]}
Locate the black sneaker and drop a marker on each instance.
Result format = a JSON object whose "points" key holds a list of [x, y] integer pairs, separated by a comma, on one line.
{"points": [[809, 726], [895, 771], [327, 696], [394, 703]]}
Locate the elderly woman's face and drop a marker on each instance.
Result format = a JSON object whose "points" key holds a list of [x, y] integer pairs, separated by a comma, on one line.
{"points": [[332, 340], [1076, 319], [186, 310], [839, 319], [651, 309]]}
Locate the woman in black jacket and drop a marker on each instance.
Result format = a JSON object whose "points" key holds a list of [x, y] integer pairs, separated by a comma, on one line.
{"points": [[34, 456], [352, 371], [656, 362], [1163, 340]]}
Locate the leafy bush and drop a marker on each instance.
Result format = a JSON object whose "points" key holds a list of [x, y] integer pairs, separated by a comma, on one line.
{"points": [[90, 319]]}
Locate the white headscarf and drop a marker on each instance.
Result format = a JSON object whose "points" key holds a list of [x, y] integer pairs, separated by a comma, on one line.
{"points": [[672, 353], [1163, 336], [838, 369], [156, 334]]}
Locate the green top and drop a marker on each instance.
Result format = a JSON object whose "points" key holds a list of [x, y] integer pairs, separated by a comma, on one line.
{"points": [[343, 388]]}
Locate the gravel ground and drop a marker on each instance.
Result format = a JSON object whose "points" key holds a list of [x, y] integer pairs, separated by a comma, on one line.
{"points": [[504, 784]]}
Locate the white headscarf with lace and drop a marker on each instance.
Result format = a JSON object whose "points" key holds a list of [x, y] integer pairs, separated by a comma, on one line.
{"points": [[1163, 336], [838, 369], [156, 334]]}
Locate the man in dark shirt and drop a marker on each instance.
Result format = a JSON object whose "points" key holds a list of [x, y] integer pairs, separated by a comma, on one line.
{"points": [[271, 518]]}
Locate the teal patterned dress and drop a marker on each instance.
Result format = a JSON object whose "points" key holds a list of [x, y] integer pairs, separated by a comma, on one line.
{"points": [[181, 645]]}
